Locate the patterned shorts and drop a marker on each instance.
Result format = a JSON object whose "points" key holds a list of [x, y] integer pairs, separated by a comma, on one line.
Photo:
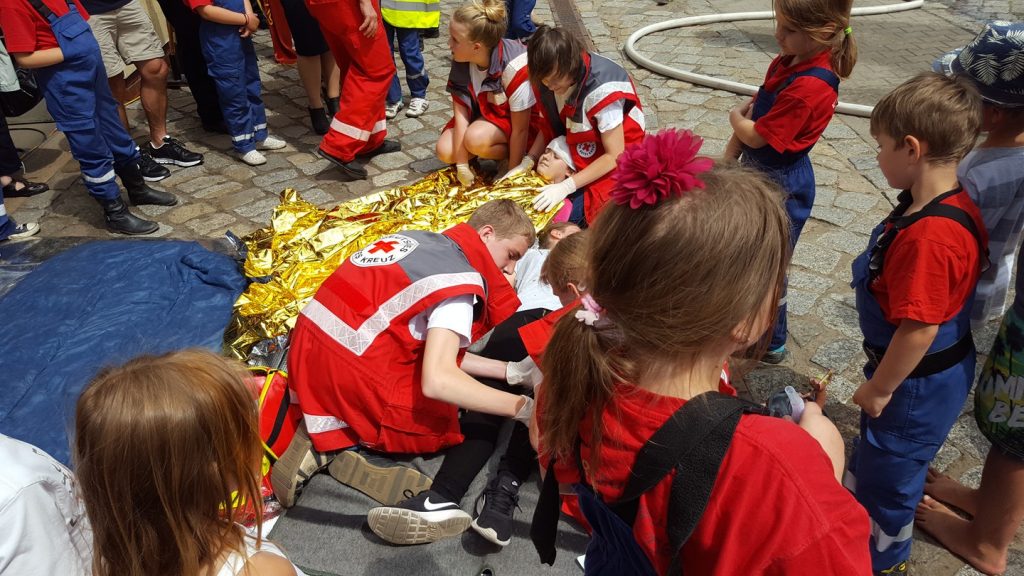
{"points": [[999, 397]]}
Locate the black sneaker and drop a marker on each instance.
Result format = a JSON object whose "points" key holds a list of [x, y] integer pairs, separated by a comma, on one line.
{"points": [[151, 171], [500, 500], [174, 152], [426, 517]]}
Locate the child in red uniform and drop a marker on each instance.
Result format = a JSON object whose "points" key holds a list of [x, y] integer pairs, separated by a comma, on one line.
{"points": [[915, 288], [491, 93], [377, 358], [462, 463], [776, 130], [46, 37], [685, 269], [592, 102]]}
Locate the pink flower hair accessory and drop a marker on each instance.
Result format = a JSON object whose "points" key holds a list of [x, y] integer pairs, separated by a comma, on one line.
{"points": [[662, 166]]}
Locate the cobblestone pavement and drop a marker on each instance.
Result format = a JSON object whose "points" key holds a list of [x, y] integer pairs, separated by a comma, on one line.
{"points": [[224, 194]]}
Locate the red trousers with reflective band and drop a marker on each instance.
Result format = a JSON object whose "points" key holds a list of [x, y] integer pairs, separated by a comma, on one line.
{"points": [[366, 73]]}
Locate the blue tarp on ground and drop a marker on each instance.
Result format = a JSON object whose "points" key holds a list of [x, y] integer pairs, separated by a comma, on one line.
{"points": [[100, 304]]}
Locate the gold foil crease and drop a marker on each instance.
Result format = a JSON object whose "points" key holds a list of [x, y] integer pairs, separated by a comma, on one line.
{"points": [[305, 244]]}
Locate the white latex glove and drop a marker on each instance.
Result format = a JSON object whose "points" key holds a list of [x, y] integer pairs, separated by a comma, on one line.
{"points": [[552, 195], [524, 166], [466, 176], [526, 412], [525, 373]]}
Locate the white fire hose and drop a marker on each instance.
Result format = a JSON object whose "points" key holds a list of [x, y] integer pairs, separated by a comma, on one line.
{"points": [[729, 85]]}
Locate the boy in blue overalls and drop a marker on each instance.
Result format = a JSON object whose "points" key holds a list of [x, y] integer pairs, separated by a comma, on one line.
{"points": [[915, 287], [225, 34], [53, 39]]}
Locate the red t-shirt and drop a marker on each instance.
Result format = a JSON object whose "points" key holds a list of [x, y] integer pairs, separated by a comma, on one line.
{"points": [[803, 110], [776, 507], [25, 30], [193, 4], [931, 267]]}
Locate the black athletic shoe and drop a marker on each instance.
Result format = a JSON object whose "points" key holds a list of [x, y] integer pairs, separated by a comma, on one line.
{"points": [[174, 152], [351, 168], [151, 171], [426, 517], [500, 500]]}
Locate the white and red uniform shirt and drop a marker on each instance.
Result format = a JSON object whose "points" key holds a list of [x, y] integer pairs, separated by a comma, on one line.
{"points": [[495, 93], [355, 361], [604, 97]]}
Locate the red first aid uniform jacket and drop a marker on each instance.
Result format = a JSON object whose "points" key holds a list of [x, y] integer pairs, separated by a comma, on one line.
{"points": [[600, 84], [354, 364], [508, 67]]}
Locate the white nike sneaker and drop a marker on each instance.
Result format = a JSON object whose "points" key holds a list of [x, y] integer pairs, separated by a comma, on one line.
{"points": [[271, 143], [253, 158], [426, 517]]}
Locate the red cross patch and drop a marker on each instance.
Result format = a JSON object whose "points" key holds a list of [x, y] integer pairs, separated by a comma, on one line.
{"points": [[387, 250]]}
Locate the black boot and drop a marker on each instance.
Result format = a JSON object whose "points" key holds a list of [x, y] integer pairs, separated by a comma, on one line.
{"points": [[332, 106], [120, 220], [138, 191], [318, 120]]}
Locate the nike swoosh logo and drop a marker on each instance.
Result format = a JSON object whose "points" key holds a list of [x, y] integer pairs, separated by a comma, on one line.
{"points": [[431, 506]]}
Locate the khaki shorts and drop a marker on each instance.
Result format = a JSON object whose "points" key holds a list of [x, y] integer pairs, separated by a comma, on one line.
{"points": [[125, 35]]}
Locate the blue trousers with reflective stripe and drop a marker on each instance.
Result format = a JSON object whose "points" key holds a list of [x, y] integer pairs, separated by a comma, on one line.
{"points": [[890, 488], [81, 104], [231, 61], [412, 57]]}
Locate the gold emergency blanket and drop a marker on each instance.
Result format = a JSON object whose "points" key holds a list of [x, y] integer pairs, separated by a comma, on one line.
{"points": [[305, 244]]}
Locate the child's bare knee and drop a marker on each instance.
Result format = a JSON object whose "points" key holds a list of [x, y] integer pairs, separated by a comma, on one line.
{"points": [[444, 151]]}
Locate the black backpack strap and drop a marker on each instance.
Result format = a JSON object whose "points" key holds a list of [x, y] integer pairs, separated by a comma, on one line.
{"points": [[544, 526], [42, 9], [936, 208], [714, 420], [960, 216], [694, 440]]}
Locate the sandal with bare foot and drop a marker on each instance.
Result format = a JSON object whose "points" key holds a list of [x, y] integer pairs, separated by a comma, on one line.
{"points": [[956, 534], [945, 489]]}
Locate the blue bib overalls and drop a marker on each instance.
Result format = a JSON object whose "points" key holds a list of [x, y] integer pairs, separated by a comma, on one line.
{"points": [[791, 170], [80, 102], [231, 61], [894, 450]]}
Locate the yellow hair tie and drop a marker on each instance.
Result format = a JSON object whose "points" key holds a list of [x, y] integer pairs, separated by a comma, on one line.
{"points": [[848, 30]]}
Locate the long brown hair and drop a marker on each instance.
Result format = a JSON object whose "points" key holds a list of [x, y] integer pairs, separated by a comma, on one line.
{"points": [[827, 22], [161, 444], [674, 280]]}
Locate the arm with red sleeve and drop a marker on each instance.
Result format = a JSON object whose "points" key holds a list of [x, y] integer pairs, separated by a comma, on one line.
{"points": [[28, 37], [796, 110]]}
